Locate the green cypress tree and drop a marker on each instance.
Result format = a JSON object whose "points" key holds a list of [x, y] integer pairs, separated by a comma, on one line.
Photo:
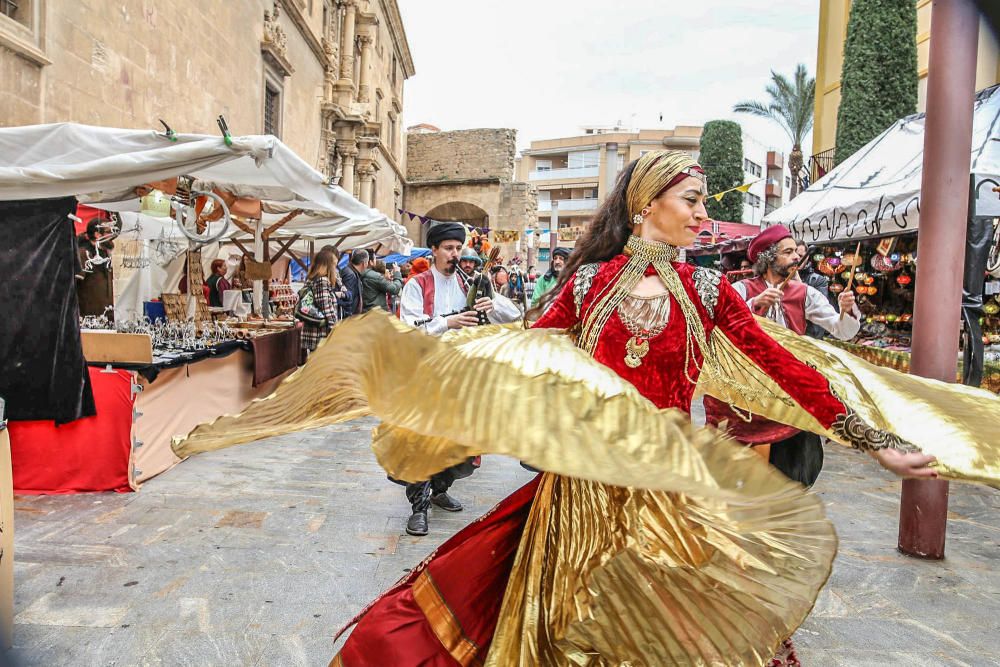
{"points": [[722, 158], [878, 84]]}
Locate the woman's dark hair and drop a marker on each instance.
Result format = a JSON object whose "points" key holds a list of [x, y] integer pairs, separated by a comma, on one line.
{"points": [[604, 238]]}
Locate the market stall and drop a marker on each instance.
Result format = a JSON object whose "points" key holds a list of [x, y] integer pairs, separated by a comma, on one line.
{"points": [[150, 378], [861, 222]]}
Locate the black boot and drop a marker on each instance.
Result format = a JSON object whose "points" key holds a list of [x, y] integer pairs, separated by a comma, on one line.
{"points": [[446, 502], [417, 524]]}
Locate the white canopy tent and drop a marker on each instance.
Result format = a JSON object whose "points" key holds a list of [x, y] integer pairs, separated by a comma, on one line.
{"points": [[103, 166], [876, 191]]}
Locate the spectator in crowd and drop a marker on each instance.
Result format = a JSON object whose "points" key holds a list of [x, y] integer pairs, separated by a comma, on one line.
{"points": [[378, 284], [323, 279], [548, 281], [350, 276], [419, 265]]}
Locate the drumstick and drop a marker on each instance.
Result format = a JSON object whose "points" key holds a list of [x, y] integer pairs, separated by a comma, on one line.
{"points": [[850, 278]]}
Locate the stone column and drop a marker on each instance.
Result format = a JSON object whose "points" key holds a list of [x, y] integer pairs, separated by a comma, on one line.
{"points": [[366, 176], [348, 151], [554, 231], [347, 41], [610, 169], [365, 78]]}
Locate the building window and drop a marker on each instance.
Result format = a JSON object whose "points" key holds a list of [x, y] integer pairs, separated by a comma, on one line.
{"points": [[272, 109], [621, 162], [752, 167], [9, 8], [392, 134], [584, 159], [751, 199], [392, 72], [543, 165], [590, 193], [544, 195], [788, 181]]}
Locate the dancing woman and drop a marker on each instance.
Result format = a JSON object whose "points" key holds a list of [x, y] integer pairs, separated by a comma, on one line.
{"points": [[637, 310], [648, 541]]}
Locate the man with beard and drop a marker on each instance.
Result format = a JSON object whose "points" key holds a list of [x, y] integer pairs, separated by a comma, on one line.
{"points": [[792, 304], [436, 301], [469, 261], [810, 276], [548, 281]]}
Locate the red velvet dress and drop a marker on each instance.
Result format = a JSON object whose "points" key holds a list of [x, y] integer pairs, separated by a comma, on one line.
{"points": [[445, 611]]}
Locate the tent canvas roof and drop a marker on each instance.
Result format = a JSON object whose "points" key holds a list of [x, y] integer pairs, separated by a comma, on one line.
{"points": [[102, 166], [876, 191]]}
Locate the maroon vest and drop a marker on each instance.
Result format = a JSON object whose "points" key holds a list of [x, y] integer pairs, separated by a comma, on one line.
{"points": [[426, 282], [793, 303]]}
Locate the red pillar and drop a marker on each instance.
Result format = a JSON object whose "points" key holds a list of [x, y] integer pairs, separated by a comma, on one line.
{"points": [[944, 205]]}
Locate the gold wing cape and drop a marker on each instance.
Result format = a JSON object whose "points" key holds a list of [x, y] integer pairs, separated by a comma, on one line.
{"points": [[718, 556]]}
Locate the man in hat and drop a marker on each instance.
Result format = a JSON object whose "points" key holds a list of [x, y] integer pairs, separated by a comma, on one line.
{"points": [[469, 261], [774, 255], [436, 301], [793, 304], [548, 281]]}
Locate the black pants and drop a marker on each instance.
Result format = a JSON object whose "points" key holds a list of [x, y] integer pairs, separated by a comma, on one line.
{"points": [[799, 457], [419, 493]]}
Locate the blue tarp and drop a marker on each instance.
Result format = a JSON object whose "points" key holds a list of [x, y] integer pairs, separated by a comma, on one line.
{"points": [[393, 258]]}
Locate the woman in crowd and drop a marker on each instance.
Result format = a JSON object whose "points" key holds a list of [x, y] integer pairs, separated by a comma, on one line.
{"points": [[324, 281]]}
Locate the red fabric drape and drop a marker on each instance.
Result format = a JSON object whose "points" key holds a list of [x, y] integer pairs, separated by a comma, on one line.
{"points": [[89, 454]]}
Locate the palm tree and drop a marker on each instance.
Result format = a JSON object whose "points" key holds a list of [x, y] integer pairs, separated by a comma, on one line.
{"points": [[790, 105]]}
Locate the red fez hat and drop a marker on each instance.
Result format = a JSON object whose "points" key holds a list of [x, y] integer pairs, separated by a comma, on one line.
{"points": [[765, 240]]}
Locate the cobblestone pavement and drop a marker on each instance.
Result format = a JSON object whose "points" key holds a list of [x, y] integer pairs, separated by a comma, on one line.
{"points": [[257, 554]]}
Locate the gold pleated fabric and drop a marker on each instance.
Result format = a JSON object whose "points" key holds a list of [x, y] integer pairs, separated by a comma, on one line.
{"points": [[955, 423], [650, 541]]}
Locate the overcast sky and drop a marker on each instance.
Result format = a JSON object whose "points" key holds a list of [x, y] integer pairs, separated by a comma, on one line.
{"points": [[548, 67]]}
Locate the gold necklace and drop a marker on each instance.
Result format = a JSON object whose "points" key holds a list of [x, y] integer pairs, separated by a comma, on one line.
{"points": [[645, 322]]}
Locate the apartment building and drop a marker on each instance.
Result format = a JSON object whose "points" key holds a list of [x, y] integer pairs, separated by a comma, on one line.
{"points": [[573, 175]]}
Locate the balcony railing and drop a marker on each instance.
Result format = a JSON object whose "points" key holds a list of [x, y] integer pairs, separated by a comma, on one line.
{"points": [[569, 205], [820, 163], [553, 174]]}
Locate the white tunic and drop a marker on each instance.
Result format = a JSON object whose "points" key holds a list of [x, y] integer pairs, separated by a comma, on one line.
{"points": [[818, 311], [448, 298]]}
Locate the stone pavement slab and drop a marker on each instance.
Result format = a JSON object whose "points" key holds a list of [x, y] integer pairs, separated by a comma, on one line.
{"points": [[258, 554]]}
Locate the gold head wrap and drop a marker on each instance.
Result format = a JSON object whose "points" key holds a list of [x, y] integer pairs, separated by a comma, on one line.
{"points": [[653, 172]]}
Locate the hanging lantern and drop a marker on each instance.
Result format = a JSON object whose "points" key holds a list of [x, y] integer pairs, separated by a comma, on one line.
{"points": [[894, 258], [818, 257], [891, 318], [836, 288], [991, 308], [904, 279], [833, 261]]}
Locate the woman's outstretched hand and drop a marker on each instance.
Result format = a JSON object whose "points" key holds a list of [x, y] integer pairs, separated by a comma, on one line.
{"points": [[912, 465]]}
